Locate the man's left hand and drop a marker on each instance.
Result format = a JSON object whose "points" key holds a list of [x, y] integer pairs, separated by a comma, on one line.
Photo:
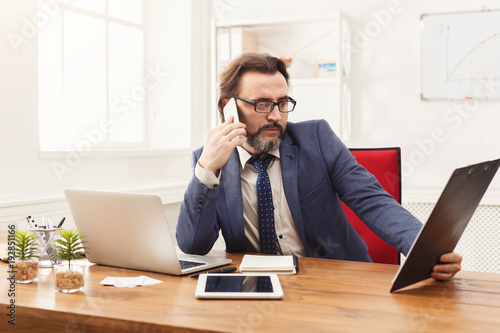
{"points": [[449, 266]]}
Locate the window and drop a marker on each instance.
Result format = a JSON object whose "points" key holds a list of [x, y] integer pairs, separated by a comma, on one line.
{"points": [[103, 78]]}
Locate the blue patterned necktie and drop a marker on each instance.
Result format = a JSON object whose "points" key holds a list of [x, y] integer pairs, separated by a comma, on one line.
{"points": [[267, 232]]}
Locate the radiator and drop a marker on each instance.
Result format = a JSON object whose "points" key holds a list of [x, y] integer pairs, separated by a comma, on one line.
{"points": [[480, 242], [172, 211]]}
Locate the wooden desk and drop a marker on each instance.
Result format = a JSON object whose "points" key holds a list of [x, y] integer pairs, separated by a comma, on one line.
{"points": [[325, 296]]}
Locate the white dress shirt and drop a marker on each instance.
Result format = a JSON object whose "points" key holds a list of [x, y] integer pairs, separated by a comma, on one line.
{"points": [[288, 239]]}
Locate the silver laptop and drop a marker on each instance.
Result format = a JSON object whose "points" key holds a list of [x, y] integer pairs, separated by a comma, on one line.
{"points": [[130, 230]]}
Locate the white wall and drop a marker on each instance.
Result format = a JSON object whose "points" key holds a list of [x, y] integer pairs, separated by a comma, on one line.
{"points": [[386, 105], [387, 109]]}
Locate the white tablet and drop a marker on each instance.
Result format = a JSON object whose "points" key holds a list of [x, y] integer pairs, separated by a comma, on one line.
{"points": [[239, 286]]}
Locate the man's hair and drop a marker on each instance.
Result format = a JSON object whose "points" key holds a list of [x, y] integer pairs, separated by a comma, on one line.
{"points": [[230, 78]]}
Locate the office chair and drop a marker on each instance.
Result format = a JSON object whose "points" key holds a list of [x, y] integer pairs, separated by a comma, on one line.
{"points": [[385, 165]]}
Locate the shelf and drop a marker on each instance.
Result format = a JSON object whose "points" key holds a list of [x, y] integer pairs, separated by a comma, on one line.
{"points": [[313, 81], [308, 40], [275, 21]]}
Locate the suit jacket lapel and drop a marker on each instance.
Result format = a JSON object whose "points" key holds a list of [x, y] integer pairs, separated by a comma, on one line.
{"points": [[231, 180], [289, 171]]}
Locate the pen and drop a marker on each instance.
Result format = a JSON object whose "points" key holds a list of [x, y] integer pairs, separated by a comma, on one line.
{"points": [[61, 223], [222, 270]]}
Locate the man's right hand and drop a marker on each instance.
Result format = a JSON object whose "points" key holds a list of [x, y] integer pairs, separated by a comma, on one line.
{"points": [[219, 144]]}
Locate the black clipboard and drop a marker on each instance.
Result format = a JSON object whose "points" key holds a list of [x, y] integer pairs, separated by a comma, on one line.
{"points": [[447, 222]]}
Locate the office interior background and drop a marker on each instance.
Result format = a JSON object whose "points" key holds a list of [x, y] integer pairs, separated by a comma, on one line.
{"points": [[163, 114]]}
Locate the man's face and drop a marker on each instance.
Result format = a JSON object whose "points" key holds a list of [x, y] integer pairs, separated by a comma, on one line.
{"points": [[265, 131]]}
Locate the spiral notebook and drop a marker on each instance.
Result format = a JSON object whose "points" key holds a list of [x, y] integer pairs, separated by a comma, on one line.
{"points": [[278, 264]]}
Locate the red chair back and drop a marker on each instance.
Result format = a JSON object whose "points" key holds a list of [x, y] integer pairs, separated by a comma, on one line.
{"points": [[385, 165]]}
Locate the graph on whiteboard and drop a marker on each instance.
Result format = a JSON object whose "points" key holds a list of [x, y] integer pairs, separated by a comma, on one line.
{"points": [[461, 55]]}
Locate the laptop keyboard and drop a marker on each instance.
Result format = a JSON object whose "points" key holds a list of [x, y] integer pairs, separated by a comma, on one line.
{"points": [[185, 264]]}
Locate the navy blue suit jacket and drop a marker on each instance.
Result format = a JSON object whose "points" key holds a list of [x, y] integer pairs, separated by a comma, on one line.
{"points": [[318, 172]]}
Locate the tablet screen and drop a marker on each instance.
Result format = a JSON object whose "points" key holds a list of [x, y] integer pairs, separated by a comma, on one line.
{"points": [[236, 284], [239, 286]]}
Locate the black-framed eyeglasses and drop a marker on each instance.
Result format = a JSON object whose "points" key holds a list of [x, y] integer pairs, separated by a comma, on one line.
{"points": [[267, 107]]}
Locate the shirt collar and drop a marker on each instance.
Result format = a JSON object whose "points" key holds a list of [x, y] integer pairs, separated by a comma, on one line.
{"points": [[245, 155]]}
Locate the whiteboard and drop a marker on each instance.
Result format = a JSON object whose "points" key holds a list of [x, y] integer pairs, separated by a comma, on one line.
{"points": [[460, 55]]}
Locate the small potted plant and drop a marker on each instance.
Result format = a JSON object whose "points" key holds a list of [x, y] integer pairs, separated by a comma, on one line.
{"points": [[287, 61], [26, 250], [68, 276]]}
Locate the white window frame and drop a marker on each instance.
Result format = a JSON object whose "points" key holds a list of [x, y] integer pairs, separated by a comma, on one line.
{"points": [[146, 148]]}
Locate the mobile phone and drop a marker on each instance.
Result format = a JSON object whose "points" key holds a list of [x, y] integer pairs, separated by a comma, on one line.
{"points": [[231, 109]]}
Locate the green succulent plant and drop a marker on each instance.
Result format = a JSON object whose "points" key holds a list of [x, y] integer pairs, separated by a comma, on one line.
{"points": [[69, 246], [26, 245]]}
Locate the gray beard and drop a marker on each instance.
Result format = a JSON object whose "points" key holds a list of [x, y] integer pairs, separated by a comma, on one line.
{"points": [[264, 146]]}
